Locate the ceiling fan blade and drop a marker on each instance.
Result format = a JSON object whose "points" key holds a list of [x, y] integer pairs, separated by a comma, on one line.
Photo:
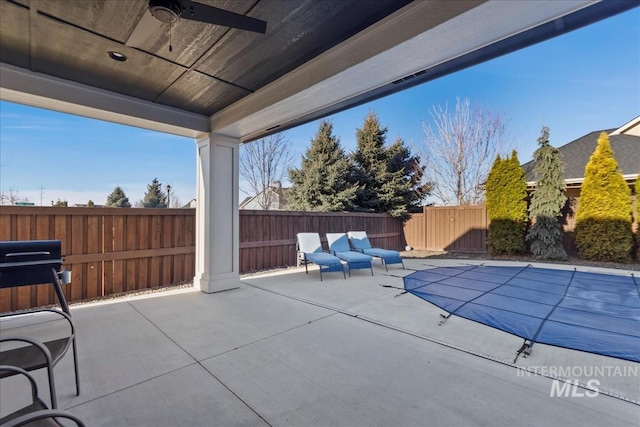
{"points": [[213, 15], [143, 30]]}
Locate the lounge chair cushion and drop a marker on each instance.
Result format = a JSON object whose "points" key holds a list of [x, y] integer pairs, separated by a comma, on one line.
{"points": [[389, 256], [360, 242], [322, 258], [339, 246]]}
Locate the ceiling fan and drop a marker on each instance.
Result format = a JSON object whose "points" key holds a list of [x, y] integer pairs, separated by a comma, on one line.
{"points": [[171, 11]]}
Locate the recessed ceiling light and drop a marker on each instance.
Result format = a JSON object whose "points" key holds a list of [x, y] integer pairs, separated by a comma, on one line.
{"points": [[117, 56]]}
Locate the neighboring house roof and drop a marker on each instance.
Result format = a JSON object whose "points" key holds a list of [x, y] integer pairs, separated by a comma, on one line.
{"points": [[277, 194], [191, 204], [576, 154], [630, 128]]}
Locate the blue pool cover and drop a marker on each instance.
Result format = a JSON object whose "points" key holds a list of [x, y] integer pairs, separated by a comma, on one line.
{"points": [[596, 313]]}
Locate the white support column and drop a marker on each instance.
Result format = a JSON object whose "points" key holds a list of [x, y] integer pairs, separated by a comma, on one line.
{"points": [[217, 216]]}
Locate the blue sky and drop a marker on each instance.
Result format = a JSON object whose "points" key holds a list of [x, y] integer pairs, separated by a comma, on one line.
{"points": [[583, 81]]}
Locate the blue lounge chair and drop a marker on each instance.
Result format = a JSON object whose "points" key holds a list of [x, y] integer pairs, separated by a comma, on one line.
{"points": [[360, 242], [310, 248], [339, 246]]}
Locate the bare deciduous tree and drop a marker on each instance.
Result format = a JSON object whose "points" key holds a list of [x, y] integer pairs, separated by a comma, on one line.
{"points": [[460, 147], [175, 201], [11, 197], [264, 164]]}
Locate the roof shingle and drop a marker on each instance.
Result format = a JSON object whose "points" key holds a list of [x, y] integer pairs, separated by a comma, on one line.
{"points": [[576, 154]]}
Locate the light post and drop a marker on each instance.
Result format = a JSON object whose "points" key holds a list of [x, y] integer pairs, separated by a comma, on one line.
{"points": [[168, 195]]}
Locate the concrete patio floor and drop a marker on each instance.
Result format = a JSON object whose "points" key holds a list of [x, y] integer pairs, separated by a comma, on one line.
{"points": [[286, 349]]}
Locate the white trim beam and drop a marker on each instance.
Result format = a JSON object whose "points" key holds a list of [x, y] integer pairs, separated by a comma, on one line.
{"points": [[40, 90], [404, 43]]}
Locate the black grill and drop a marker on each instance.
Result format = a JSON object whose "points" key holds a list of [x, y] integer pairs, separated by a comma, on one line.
{"points": [[29, 262], [32, 262]]}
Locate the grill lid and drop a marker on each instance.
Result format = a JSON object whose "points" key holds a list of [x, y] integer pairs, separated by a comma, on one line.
{"points": [[29, 262], [30, 252]]}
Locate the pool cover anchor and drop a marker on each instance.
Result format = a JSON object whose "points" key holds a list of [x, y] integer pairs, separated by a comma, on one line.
{"points": [[445, 317], [525, 350], [395, 287]]}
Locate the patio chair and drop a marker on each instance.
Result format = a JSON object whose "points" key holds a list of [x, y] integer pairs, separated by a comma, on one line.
{"points": [[339, 246], [27, 353], [310, 248], [37, 413], [360, 242]]}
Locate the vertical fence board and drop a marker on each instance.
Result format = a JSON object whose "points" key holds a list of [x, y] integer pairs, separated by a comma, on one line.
{"points": [[119, 266], [167, 242], [93, 246], [107, 247], [131, 244], [79, 272], [156, 242], [144, 239]]}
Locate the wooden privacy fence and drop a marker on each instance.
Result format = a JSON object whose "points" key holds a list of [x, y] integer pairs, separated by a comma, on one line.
{"points": [[108, 250], [451, 228], [464, 228], [113, 250], [268, 238]]}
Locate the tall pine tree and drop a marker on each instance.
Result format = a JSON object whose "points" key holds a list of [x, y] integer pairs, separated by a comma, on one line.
{"points": [[370, 159], [154, 197], [506, 191], [412, 188], [117, 199], [389, 179], [548, 200], [321, 183], [603, 220]]}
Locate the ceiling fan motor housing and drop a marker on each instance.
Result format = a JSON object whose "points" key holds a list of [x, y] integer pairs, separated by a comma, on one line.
{"points": [[167, 11]]}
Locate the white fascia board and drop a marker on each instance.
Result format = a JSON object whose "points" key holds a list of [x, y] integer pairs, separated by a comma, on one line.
{"points": [[573, 181], [309, 89], [627, 128], [40, 90]]}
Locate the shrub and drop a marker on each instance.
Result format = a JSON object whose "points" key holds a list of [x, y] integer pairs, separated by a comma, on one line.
{"points": [[603, 221], [506, 206], [637, 224]]}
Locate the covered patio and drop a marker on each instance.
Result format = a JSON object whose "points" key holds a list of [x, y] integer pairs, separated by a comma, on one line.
{"points": [[285, 349], [113, 60]]}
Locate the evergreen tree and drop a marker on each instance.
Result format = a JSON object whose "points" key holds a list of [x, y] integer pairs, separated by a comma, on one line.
{"points": [[117, 199], [389, 179], [321, 183], [370, 159], [603, 220], [60, 203], [90, 204], [412, 188], [506, 192], [637, 224], [548, 200], [154, 197]]}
